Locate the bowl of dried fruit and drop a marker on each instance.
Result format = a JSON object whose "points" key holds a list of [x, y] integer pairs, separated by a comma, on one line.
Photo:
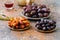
{"points": [[46, 25], [19, 23], [36, 11]]}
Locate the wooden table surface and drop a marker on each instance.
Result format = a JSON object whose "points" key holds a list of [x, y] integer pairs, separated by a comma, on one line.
{"points": [[31, 34]]}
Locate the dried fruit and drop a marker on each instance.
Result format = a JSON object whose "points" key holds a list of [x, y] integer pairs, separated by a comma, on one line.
{"points": [[19, 23]]}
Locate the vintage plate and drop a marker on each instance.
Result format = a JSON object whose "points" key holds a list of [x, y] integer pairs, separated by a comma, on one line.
{"points": [[47, 31], [20, 29], [22, 14]]}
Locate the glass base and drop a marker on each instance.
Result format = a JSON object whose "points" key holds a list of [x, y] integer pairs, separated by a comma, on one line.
{"points": [[9, 8]]}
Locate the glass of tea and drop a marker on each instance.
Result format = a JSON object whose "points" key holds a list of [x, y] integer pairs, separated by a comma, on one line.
{"points": [[9, 4]]}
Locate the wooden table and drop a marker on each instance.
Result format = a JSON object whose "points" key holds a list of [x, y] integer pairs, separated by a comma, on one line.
{"points": [[31, 34]]}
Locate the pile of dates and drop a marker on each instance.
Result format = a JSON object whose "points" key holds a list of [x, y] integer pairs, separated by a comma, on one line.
{"points": [[18, 23], [46, 25], [36, 11]]}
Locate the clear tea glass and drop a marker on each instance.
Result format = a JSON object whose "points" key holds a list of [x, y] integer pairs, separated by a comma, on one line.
{"points": [[9, 4]]}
